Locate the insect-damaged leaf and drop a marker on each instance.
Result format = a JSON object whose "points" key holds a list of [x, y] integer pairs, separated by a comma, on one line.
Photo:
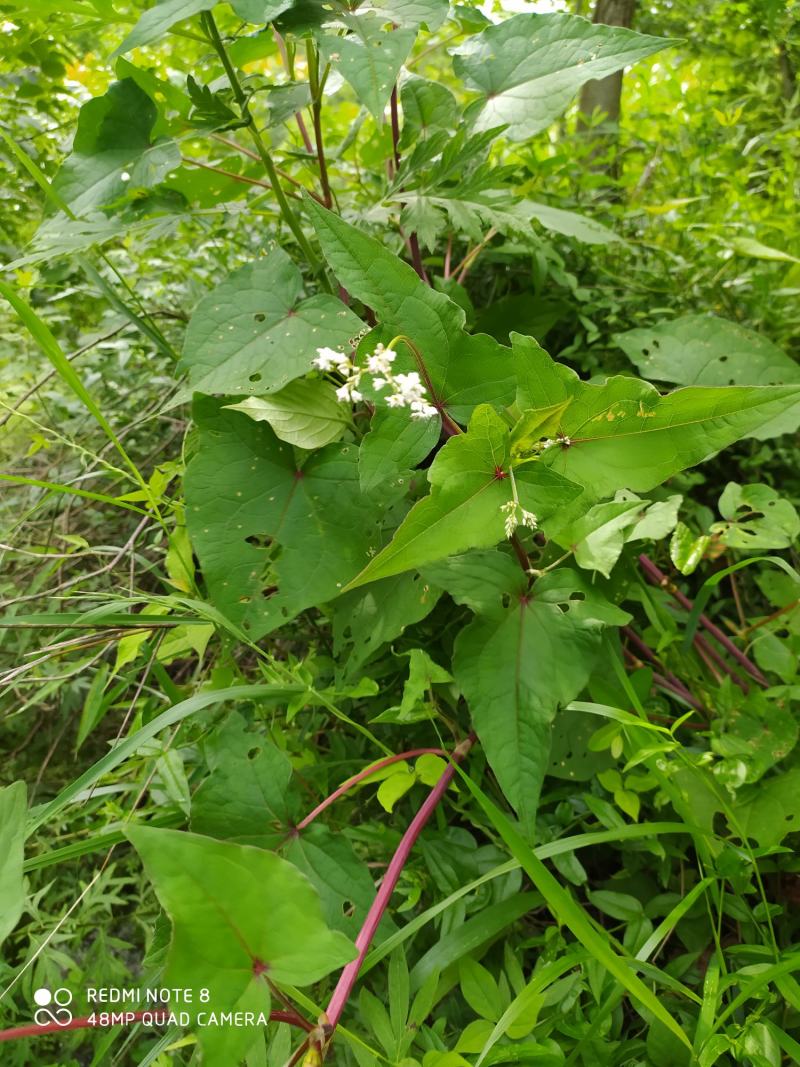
{"points": [[254, 332], [273, 534]]}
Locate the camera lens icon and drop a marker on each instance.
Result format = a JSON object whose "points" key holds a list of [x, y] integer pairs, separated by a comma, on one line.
{"points": [[59, 1014]]}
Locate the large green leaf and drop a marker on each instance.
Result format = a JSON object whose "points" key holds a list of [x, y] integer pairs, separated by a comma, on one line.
{"points": [[369, 58], [706, 350], [113, 151], [470, 484], [254, 332], [244, 797], [623, 434], [305, 413], [516, 666], [529, 67], [465, 370], [237, 913], [13, 811], [274, 535]]}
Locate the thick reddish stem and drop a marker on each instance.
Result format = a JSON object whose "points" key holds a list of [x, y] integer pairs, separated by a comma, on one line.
{"points": [[82, 1023], [349, 975], [657, 577], [672, 681], [367, 772]]}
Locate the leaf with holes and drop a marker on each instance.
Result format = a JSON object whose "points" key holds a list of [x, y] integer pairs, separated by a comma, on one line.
{"points": [[245, 798], [261, 520], [114, 152], [470, 486], [756, 518], [254, 333], [238, 913], [465, 369], [529, 67], [706, 350]]}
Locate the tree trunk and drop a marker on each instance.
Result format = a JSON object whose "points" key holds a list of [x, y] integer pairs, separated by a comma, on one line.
{"points": [[605, 93]]}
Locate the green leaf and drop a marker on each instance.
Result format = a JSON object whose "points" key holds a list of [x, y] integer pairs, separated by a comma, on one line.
{"points": [[13, 812], [159, 19], [113, 152], [428, 13], [515, 669], [427, 106], [529, 67], [469, 487], [304, 413], [686, 550], [570, 224], [465, 370], [260, 11], [366, 619], [757, 518], [480, 990], [254, 333], [706, 350], [133, 742], [422, 674], [747, 246], [623, 434], [236, 910], [394, 788], [395, 444], [369, 58], [598, 537], [478, 580], [244, 798], [343, 882], [273, 535]]}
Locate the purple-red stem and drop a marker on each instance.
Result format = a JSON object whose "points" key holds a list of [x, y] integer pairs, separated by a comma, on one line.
{"points": [[367, 772], [413, 240], [349, 975], [667, 680], [657, 577]]}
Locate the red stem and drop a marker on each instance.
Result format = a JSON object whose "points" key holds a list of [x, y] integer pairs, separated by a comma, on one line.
{"points": [[82, 1023], [349, 975], [367, 772], [413, 240], [657, 577], [671, 680]]}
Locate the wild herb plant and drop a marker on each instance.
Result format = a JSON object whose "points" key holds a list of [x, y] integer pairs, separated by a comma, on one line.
{"points": [[399, 553]]}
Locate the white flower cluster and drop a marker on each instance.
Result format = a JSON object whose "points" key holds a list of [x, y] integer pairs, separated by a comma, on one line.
{"points": [[516, 515], [407, 390]]}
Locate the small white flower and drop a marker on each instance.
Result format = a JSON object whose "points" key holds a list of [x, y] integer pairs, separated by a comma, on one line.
{"points": [[394, 400], [420, 409], [125, 177], [380, 362], [379, 383], [547, 443], [330, 359], [529, 519]]}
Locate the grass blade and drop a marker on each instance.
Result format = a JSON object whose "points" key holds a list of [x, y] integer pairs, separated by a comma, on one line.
{"points": [[566, 911]]}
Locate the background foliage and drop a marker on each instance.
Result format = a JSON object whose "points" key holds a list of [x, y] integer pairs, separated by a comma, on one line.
{"points": [[617, 881]]}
